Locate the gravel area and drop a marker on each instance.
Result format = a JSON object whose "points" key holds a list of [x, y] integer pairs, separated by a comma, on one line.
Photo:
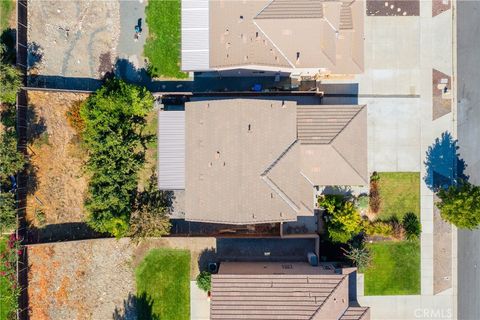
{"points": [[90, 279], [72, 38]]}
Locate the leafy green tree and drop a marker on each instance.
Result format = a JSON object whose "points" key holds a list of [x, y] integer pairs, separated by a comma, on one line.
{"points": [[204, 281], [11, 161], [460, 205], [7, 211], [411, 225], [10, 78], [114, 120], [342, 218]]}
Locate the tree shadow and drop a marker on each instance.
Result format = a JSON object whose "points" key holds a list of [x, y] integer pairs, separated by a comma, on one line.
{"points": [[63, 232], [37, 126], [136, 307], [34, 54], [125, 70], [444, 167], [206, 257], [7, 38]]}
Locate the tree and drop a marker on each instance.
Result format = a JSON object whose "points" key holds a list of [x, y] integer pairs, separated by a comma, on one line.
{"points": [[342, 218], [359, 255], [7, 212], [151, 216], [460, 205], [412, 226], [11, 161], [114, 118], [10, 78], [204, 281]]}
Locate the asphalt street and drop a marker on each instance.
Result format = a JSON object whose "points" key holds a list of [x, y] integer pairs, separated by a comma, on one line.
{"points": [[468, 64]]}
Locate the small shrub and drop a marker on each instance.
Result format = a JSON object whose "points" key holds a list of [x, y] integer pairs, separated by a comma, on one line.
{"points": [[41, 217], [375, 200], [342, 218], [359, 256], [74, 118], [8, 217], [398, 231], [378, 228], [362, 202], [204, 281], [412, 226]]}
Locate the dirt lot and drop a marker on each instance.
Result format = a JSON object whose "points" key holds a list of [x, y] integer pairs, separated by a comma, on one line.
{"points": [[57, 183], [80, 280], [72, 38], [94, 279]]}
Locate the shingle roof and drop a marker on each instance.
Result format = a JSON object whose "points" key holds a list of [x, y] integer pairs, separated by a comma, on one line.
{"points": [[288, 34], [294, 297], [257, 161]]}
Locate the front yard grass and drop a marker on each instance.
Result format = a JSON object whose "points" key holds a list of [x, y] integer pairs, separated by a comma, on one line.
{"points": [[399, 193], [163, 43], [163, 285], [394, 269]]}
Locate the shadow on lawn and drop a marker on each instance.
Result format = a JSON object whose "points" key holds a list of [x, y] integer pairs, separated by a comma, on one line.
{"points": [[135, 307], [444, 167]]}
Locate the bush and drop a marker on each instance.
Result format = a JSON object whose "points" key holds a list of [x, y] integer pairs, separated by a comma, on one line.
{"points": [[342, 219], [204, 281], [460, 205], [11, 161], [363, 202], [360, 256], [74, 118], [411, 225], [11, 83], [114, 119], [8, 212], [375, 200], [378, 228]]}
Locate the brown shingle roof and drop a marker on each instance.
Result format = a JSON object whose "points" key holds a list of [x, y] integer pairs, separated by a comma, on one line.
{"points": [[272, 296], [281, 291], [257, 161], [288, 34]]}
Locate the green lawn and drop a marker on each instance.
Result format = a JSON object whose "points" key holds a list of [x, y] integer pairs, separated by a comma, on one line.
{"points": [[394, 270], [163, 43], [6, 7], [163, 285], [7, 298], [400, 193]]}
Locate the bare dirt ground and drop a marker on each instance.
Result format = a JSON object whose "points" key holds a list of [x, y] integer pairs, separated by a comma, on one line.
{"points": [[73, 38], [57, 181], [95, 279], [90, 279]]}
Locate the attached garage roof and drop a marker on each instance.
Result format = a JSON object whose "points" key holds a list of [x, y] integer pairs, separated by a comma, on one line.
{"points": [[171, 150]]}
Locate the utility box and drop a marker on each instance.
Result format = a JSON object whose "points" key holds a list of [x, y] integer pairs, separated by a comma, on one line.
{"points": [[312, 259]]}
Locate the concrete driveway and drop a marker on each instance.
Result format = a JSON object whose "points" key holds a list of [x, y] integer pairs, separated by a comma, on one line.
{"points": [[393, 134]]}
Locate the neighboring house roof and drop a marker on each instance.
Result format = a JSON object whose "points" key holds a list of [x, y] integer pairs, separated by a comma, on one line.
{"points": [[296, 291], [287, 34], [257, 161]]}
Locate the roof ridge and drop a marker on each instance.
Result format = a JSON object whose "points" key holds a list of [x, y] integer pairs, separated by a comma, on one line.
{"points": [[351, 166], [273, 164], [328, 297], [274, 44], [348, 122]]}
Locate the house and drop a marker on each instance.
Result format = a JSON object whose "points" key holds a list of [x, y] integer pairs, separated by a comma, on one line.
{"points": [[273, 35], [259, 160], [283, 290]]}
